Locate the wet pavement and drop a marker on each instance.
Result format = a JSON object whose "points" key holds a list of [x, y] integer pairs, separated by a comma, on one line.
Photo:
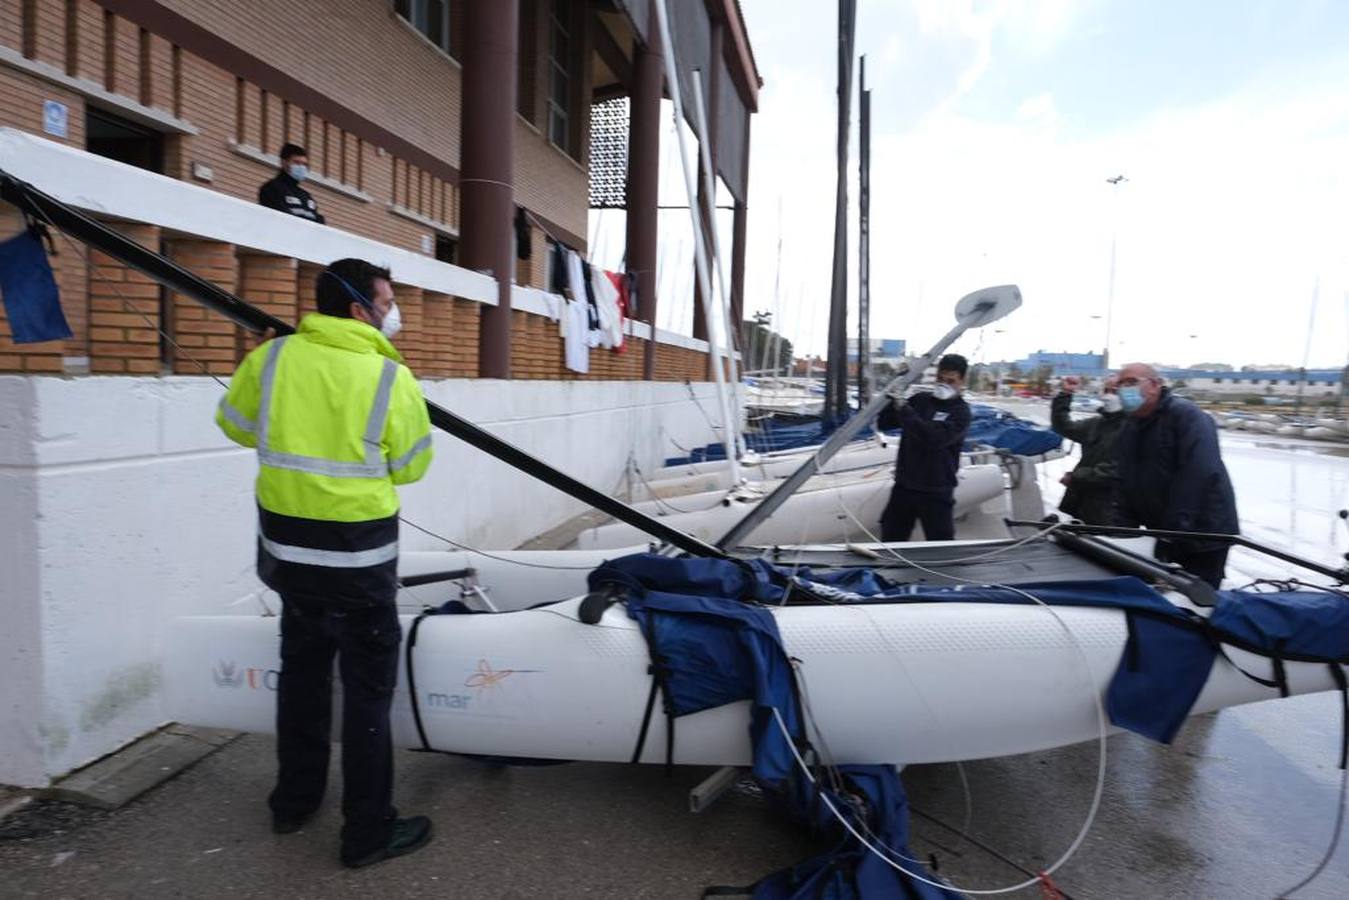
{"points": [[1242, 805]]}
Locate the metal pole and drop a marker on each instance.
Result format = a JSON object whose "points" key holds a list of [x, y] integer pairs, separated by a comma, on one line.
{"points": [[1110, 295], [836, 389], [699, 249], [864, 239], [710, 188]]}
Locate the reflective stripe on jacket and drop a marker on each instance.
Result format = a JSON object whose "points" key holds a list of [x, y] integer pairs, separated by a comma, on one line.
{"points": [[337, 421]]}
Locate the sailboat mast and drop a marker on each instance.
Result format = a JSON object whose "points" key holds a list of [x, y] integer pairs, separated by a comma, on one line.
{"points": [[836, 377], [863, 238]]}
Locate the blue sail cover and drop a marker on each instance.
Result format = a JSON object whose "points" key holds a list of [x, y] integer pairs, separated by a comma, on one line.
{"points": [[989, 427], [710, 648]]}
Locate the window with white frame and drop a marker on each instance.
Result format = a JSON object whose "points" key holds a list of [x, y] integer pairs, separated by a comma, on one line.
{"points": [[430, 17]]}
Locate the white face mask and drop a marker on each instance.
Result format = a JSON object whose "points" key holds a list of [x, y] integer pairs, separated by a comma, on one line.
{"points": [[943, 391], [1111, 403], [392, 322], [298, 172]]}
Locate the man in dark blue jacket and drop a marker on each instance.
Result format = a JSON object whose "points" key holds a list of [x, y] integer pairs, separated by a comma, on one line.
{"points": [[1171, 473], [934, 426]]}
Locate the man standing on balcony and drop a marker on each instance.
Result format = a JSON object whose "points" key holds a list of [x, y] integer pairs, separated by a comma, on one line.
{"points": [[284, 192], [337, 421]]}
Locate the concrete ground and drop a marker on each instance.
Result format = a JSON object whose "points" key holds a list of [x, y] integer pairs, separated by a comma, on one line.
{"points": [[1241, 806]]}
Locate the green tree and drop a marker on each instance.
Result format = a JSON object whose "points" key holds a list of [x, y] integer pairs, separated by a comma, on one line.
{"points": [[758, 344]]}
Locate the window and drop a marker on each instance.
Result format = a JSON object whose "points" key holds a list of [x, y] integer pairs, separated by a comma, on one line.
{"points": [[125, 141], [560, 53], [445, 248], [430, 17]]}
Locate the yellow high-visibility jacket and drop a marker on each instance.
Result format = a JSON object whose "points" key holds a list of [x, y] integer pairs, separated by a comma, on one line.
{"points": [[337, 421]]}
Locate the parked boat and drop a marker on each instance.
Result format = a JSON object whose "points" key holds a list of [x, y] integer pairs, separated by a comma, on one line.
{"points": [[893, 682], [834, 508]]}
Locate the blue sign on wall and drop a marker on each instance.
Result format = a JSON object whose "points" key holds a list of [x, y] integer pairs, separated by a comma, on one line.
{"points": [[55, 118]]}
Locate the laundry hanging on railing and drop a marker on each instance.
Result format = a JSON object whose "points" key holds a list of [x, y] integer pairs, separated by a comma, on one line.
{"points": [[594, 307]]}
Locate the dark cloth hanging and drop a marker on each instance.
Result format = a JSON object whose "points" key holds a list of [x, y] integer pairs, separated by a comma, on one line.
{"points": [[32, 299], [592, 308], [557, 282], [630, 278], [524, 237]]}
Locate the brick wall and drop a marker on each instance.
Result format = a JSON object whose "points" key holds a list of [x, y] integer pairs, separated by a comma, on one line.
{"points": [[206, 341], [348, 49], [352, 50], [124, 312]]}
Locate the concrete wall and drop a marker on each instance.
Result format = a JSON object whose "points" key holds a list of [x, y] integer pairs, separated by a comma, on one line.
{"points": [[128, 508]]}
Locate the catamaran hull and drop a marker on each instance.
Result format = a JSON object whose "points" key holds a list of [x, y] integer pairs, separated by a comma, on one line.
{"points": [[902, 683], [841, 514]]}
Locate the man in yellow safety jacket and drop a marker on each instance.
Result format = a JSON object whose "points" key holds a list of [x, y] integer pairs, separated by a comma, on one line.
{"points": [[337, 421]]}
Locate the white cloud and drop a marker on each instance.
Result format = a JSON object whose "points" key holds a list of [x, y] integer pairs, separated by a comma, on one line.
{"points": [[1232, 210]]}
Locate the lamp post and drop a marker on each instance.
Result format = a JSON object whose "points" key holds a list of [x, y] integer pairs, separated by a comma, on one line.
{"points": [[997, 389], [1114, 182]]}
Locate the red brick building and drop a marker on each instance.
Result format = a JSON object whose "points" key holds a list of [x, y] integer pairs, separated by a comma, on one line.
{"points": [[427, 122]]}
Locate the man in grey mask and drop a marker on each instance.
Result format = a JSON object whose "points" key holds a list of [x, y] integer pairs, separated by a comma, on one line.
{"points": [[284, 193], [1091, 486], [934, 424]]}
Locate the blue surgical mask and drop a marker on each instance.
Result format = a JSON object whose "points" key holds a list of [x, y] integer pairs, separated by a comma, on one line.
{"points": [[1111, 403], [298, 172], [1131, 398]]}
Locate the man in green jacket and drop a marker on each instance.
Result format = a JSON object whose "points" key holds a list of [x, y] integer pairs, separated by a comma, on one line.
{"points": [[337, 421], [1089, 494]]}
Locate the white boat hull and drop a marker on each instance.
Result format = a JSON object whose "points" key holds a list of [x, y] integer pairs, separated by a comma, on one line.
{"points": [[818, 516], [901, 683]]}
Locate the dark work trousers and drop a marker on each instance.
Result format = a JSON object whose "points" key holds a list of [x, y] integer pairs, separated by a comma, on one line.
{"points": [[366, 641], [1208, 565], [935, 509]]}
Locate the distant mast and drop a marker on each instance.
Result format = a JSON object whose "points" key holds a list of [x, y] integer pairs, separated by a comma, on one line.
{"points": [[836, 373]]}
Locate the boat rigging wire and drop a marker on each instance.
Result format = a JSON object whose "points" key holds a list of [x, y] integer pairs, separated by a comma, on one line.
{"points": [[1102, 728]]}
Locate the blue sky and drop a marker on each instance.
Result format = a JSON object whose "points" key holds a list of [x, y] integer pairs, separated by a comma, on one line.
{"points": [[995, 125]]}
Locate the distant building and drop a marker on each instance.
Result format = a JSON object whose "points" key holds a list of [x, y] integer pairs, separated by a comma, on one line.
{"points": [[880, 350], [1316, 384], [1061, 364]]}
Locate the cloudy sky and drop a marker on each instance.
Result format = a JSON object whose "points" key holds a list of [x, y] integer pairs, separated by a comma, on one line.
{"points": [[995, 125]]}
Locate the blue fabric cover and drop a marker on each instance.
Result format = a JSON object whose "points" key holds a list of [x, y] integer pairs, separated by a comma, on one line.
{"points": [[713, 649], [1312, 624], [849, 870], [32, 300], [1165, 664], [988, 425]]}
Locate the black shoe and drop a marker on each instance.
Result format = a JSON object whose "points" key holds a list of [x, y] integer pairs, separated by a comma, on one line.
{"points": [[412, 833], [287, 824]]}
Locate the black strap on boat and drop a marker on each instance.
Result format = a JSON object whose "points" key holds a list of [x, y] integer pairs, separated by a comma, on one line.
{"points": [[412, 680], [658, 672], [1280, 673], [1267, 682], [1340, 682]]}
